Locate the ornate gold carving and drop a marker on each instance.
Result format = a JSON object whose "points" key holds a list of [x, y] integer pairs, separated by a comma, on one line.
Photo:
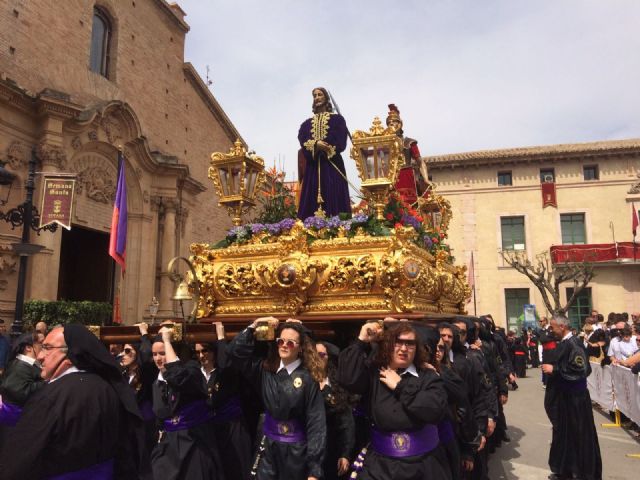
{"points": [[362, 274], [76, 143], [237, 281], [355, 274]]}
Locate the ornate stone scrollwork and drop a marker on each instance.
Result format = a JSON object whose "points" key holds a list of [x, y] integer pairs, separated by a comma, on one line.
{"points": [[17, 155], [99, 184], [112, 129], [52, 155]]}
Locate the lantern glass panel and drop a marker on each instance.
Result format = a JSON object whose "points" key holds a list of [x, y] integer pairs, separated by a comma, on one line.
{"points": [[224, 180], [250, 182], [383, 162], [369, 162], [235, 181]]}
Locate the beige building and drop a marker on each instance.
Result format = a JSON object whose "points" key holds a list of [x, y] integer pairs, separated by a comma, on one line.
{"points": [[497, 202], [79, 78]]}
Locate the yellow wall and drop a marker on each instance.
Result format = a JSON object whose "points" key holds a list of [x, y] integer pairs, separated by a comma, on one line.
{"points": [[478, 203]]}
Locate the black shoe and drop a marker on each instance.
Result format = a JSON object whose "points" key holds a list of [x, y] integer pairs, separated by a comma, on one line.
{"points": [[506, 438], [514, 386]]}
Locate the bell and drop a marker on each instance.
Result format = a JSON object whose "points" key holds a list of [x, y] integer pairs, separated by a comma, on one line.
{"points": [[182, 292]]}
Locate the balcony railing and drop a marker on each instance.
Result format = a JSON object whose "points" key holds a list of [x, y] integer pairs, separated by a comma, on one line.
{"points": [[598, 253]]}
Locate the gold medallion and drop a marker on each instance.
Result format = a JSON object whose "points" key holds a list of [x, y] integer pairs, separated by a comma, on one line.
{"points": [[297, 382], [579, 361]]}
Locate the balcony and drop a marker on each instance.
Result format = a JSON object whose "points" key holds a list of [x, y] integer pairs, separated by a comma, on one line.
{"points": [[597, 253]]}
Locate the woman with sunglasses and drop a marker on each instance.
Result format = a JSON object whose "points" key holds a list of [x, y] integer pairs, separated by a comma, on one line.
{"points": [[224, 390], [186, 447], [405, 402], [340, 422], [294, 426]]}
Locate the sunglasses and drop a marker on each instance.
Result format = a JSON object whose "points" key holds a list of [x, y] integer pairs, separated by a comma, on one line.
{"points": [[204, 351], [405, 343], [286, 343], [127, 351]]}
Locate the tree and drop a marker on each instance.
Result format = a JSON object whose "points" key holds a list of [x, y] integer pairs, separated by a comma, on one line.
{"points": [[548, 276]]}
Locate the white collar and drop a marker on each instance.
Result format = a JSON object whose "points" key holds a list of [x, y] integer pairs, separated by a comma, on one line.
{"points": [[26, 359], [412, 370], [567, 336], [71, 369], [206, 374], [160, 377], [451, 355], [291, 367]]}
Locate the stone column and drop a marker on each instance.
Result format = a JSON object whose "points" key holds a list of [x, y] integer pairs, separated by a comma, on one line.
{"points": [[168, 249], [44, 267]]}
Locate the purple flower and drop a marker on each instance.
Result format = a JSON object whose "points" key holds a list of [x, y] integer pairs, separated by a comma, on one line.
{"points": [[315, 222], [333, 222], [360, 218], [287, 223], [257, 227], [238, 232], [427, 241], [410, 220]]}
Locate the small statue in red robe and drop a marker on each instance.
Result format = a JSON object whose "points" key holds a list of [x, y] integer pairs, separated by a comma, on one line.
{"points": [[411, 152]]}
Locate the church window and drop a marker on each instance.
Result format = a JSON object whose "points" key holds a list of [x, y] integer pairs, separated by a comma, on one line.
{"points": [[100, 43]]}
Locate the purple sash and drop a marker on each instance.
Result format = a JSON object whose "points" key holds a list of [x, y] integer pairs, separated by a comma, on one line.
{"points": [[405, 444], [572, 386], [9, 414], [229, 411], [189, 416], [101, 471], [445, 431], [286, 431]]}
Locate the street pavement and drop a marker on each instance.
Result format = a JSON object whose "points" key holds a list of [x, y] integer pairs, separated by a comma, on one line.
{"points": [[526, 456]]}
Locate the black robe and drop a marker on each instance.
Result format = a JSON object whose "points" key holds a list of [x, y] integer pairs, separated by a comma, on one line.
{"points": [[574, 445], [19, 382], [225, 387], [285, 397], [341, 434], [416, 402], [189, 454], [71, 424]]}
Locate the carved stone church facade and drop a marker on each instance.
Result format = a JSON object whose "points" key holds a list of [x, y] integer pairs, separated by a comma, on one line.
{"points": [[119, 80]]}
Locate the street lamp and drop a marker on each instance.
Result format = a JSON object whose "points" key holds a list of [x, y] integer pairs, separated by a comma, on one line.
{"points": [[236, 176], [378, 156], [25, 215]]}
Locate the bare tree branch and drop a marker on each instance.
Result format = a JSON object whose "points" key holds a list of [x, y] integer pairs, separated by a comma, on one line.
{"points": [[548, 277]]}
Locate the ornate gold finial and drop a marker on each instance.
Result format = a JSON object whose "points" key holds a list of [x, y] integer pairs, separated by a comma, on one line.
{"points": [[237, 149], [376, 128]]}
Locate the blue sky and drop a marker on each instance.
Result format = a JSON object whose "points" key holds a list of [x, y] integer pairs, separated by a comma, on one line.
{"points": [[465, 74]]}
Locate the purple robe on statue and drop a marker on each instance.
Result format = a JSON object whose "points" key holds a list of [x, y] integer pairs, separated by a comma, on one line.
{"points": [[331, 128]]}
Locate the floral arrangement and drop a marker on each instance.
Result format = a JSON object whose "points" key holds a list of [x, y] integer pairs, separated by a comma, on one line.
{"points": [[397, 215], [277, 201]]}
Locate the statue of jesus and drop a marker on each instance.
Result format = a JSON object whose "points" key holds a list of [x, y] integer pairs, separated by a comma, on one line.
{"points": [[324, 181]]}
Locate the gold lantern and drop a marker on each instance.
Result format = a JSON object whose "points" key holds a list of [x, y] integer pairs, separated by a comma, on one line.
{"points": [[378, 156], [236, 176]]}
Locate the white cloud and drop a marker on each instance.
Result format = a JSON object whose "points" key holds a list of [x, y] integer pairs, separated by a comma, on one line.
{"points": [[466, 75]]}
